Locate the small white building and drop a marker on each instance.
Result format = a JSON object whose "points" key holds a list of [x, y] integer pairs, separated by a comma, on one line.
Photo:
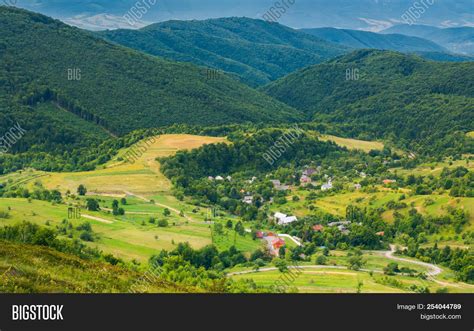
{"points": [[219, 178], [357, 186], [288, 220], [248, 199], [327, 186], [284, 219]]}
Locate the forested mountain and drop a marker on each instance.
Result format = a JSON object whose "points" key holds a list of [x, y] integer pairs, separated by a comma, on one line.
{"points": [[381, 94], [457, 40], [116, 88], [257, 51], [365, 39]]}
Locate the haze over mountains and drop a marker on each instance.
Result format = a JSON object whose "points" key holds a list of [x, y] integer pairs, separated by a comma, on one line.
{"points": [[373, 15], [457, 40]]}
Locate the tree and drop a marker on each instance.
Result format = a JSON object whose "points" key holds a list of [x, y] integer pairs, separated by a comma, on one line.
{"points": [[115, 204], [356, 262], [166, 212], [391, 269], [92, 205], [281, 265], [218, 228], [229, 224], [239, 228], [321, 260], [81, 190], [123, 201], [162, 223]]}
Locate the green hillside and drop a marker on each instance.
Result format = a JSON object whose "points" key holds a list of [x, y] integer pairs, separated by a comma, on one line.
{"points": [[379, 94], [118, 88], [256, 51], [37, 269]]}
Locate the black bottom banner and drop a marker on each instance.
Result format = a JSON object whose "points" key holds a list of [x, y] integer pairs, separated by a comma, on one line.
{"points": [[208, 312]]}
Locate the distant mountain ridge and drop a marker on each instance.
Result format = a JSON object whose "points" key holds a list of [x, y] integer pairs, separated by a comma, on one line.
{"points": [[457, 39], [256, 51], [394, 42], [365, 39]]}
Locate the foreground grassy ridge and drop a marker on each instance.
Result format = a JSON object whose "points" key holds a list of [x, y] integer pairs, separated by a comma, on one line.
{"points": [[35, 269]]}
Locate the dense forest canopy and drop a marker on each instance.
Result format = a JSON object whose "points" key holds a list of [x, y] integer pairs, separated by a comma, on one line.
{"points": [[421, 105], [254, 50], [117, 88]]}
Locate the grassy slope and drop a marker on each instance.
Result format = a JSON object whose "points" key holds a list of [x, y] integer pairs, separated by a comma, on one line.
{"points": [[35, 269], [363, 145], [126, 236], [337, 280]]}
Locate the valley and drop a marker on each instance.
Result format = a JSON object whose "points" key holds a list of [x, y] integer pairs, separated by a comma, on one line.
{"points": [[225, 154]]}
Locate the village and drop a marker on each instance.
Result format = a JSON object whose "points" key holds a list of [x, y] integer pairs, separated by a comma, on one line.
{"points": [[309, 178]]}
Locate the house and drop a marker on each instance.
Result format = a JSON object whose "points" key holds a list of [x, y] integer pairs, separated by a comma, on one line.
{"points": [[277, 216], [333, 224], [250, 181], [327, 186], [277, 185], [305, 180], [357, 186], [259, 234], [363, 175], [284, 219], [380, 234], [318, 228], [210, 178], [282, 188], [278, 243], [219, 178], [229, 178], [389, 181], [275, 182], [309, 172], [288, 220], [248, 199]]}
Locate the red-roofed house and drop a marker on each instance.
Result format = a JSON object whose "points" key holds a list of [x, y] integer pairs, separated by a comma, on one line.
{"points": [[259, 234], [380, 234], [318, 228], [278, 243]]}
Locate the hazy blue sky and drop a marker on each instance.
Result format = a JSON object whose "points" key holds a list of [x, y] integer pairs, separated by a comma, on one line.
{"points": [[357, 14]]}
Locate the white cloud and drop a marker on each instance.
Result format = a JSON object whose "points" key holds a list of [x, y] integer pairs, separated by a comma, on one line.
{"points": [[103, 22], [376, 25]]}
